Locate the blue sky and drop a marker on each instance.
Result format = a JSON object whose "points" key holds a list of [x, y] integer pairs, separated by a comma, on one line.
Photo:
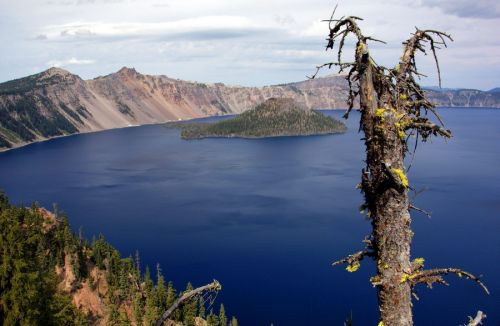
{"points": [[243, 42]]}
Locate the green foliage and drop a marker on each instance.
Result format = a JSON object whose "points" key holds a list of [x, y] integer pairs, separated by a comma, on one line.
{"points": [[31, 248], [113, 315], [81, 110], [70, 112], [22, 284], [171, 294], [27, 116], [63, 312], [189, 309], [137, 308], [4, 142], [161, 290], [125, 109], [26, 84], [28, 113], [212, 319], [222, 316], [28, 293], [275, 117], [201, 311], [234, 322]]}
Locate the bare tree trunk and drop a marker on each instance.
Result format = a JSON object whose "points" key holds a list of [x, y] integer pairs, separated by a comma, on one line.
{"points": [[386, 199], [393, 107]]}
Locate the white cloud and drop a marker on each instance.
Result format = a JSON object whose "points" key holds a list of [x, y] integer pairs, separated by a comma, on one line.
{"points": [[249, 42], [69, 62], [204, 27]]}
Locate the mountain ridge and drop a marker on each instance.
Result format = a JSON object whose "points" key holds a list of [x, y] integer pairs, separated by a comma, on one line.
{"points": [[56, 102]]}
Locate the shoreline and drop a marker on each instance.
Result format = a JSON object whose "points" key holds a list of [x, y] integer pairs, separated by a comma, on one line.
{"points": [[18, 146], [264, 137], [4, 150]]}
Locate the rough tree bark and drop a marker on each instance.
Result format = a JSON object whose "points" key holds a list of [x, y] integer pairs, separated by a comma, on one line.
{"points": [[393, 107]]}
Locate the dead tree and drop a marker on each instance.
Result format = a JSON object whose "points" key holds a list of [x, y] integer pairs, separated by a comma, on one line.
{"points": [[393, 108], [478, 320], [186, 297]]}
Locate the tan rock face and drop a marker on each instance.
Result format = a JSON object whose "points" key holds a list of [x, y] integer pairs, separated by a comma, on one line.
{"points": [[63, 103], [128, 98]]}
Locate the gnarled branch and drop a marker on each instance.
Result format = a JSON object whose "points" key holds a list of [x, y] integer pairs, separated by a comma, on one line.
{"points": [[354, 258], [426, 213], [413, 44], [432, 127], [436, 276]]}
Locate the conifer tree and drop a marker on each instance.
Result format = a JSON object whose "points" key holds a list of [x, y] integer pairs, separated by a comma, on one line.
{"points": [[171, 297], [23, 288], [138, 263], [124, 320], [151, 310], [212, 319], [148, 282], [222, 316], [201, 310], [113, 315], [171, 294], [138, 308], [161, 289], [234, 322], [189, 308]]}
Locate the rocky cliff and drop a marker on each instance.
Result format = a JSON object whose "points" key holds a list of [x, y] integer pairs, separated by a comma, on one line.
{"points": [[57, 103]]}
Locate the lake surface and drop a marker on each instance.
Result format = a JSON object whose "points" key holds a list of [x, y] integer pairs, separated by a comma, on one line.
{"points": [[266, 217]]}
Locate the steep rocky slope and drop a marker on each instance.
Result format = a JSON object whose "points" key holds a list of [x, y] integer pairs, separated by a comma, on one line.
{"points": [[51, 276], [56, 103]]}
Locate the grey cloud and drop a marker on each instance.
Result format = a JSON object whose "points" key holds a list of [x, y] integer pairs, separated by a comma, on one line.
{"points": [[465, 8], [82, 2], [215, 34], [109, 33]]}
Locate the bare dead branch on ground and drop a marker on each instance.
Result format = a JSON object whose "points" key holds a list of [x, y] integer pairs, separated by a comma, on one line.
{"points": [[478, 320], [214, 286]]}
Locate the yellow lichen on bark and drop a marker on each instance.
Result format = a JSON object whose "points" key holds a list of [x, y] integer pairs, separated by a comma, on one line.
{"points": [[402, 177], [353, 267]]}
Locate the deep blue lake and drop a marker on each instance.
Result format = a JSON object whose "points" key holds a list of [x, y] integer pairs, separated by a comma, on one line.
{"points": [[267, 217]]}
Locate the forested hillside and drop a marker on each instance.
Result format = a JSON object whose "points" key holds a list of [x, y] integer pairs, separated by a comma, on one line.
{"points": [[272, 118], [50, 276]]}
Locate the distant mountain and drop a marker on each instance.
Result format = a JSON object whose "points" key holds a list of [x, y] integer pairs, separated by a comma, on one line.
{"points": [[55, 102], [494, 90], [462, 97], [273, 118], [440, 89]]}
